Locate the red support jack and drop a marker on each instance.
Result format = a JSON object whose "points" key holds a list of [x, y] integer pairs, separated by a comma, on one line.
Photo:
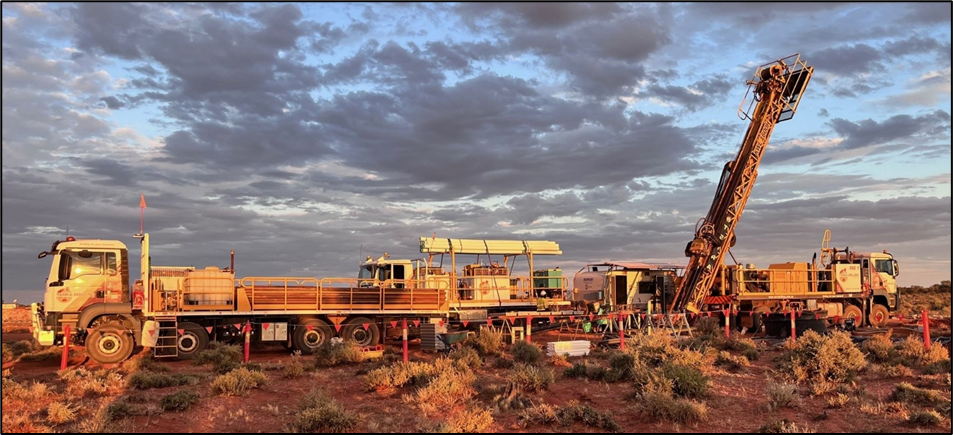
{"points": [[65, 357]]}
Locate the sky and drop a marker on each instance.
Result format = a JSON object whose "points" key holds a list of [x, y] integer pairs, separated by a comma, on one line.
{"points": [[307, 136]]}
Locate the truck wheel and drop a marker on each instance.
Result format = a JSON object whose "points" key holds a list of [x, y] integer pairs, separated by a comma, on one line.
{"points": [[757, 321], [109, 343], [354, 331], [853, 312], [192, 340], [308, 339], [879, 315]]}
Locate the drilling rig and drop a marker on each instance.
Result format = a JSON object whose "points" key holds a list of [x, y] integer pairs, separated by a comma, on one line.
{"points": [[775, 92]]}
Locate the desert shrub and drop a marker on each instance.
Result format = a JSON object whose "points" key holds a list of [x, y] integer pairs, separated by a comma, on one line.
{"points": [[621, 367], [531, 378], [147, 380], [573, 412], [179, 401], [879, 348], [469, 420], [331, 354], [294, 368], [782, 426], [937, 367], [448, 387], [731, 362], [838, 401], [892, 370], [80, 382], [238, 382], [21, 347], [120, 409], [319, 413], [59, 413], [907, 393], [526, 353], [781, 396], [588, 371], [822, 360], [487, 342], [687, 381], [502, 362], [142, 363], [925, 418], [661, 406], [397, 375], [468, 357], [708, 327], [7, 353], [224, 357], [51, 353]]}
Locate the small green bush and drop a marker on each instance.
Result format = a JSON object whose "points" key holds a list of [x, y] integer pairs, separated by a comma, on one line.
{"points": [[147, 380], [447, 388], [687, 381], [662, 406], [781, 396], [529, 378], [398, 375], [526, 353], [319, 413], [330, 354], [621, 367], [224, 357], [907, 393], [487, 342], [120, 409], [294, 368], [179, 401], [238, 382], [925, 418], [468, 357]]}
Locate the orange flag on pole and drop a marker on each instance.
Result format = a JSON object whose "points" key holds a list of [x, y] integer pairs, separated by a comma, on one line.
{"points": [[142, 201]]}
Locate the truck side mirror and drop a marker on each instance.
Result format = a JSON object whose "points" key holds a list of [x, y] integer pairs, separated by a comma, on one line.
{"points": [[896, 268]]}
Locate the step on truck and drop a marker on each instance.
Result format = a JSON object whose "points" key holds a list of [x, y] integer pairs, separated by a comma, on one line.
{"points": [[177, 311]]}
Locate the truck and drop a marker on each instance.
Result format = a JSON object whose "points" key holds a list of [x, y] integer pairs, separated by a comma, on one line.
{"points": [[844, 285], [178, 310]]}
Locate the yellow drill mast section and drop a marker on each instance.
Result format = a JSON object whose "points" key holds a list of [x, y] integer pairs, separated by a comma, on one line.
{"points": [[777, 88]]}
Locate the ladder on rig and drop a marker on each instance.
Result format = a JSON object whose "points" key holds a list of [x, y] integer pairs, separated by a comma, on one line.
{"points": [[167, 341]]}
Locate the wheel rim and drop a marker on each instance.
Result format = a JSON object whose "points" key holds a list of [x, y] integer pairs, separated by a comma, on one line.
{"points": [[188, 342], [313, 338], [109, 344], [878, 317], [361, 336]]}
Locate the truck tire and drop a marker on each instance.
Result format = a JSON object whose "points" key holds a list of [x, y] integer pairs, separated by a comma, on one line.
{"points": [[308, 339], [879, 315], [854, 312], [191, 341], [109, 343], [355, 331]]}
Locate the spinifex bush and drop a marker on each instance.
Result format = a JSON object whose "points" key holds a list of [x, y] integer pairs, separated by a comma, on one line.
{"points": [[822, 360]]}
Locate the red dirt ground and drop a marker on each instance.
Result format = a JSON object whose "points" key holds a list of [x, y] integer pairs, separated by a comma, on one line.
{"points": [[737, 403]]}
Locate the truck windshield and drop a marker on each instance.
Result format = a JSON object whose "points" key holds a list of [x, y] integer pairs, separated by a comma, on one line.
{"points": [[885, 266], [366, 272]]}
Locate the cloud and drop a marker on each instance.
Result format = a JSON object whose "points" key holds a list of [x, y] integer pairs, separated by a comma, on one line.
{"points": [[869, 132]]}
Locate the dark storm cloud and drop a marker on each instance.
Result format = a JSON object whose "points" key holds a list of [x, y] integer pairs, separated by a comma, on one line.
{"points": [[913, 45], [538, 15], [928, 13], [598, 46], [112, 102], [869, 132], [707, 92], [848, 59]]}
